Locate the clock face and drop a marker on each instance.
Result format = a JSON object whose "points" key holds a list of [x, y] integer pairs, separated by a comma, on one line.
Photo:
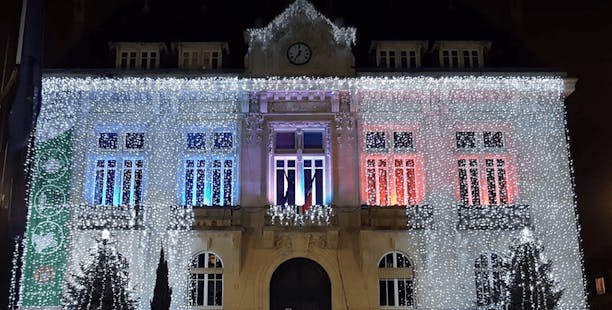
{"points": [[299, 53]]}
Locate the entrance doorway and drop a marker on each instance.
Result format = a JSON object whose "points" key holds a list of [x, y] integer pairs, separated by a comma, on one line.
{"points": [[300, 284]]}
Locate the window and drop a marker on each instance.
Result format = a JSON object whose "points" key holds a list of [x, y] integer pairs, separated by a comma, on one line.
{"points": [[124, 60], [196, 140], [493, 139], [466, 139], [402, 140], [382, 60], [375, 140], [206, 281], [148, 60], [489, 271], [214, 61], [299, 167], [413, 59], [470, 59], [450, 58], [134, 140], [118, 181], [132, 63], [470, 181], [391, 63], [390, 168], [600, 285], [395, 283], [209, 173], [107, 140]]}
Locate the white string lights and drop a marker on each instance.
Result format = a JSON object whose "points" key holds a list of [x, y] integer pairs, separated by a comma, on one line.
{"points": [[528, 109]]}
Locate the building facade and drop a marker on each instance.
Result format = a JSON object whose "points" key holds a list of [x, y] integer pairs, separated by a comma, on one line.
{"points": [[304, 183]]}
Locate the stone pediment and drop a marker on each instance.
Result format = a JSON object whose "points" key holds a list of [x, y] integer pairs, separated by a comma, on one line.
{"points": [[329, 45]]}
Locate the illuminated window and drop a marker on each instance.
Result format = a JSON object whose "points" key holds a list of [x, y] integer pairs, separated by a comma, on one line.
{"points": [[489, 272], [107, 140], [134, 140], [299, 167], [206, 281], [493, 139], [496, 181], [209, 169], [395, 283], [390, 169], [386, 180], [196, 140], [118, 181], [600, 285], [466, 139], [223, 140], [469, 185], [375, 140]]}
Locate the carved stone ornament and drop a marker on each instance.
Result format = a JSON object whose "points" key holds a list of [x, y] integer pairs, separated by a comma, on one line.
{"points": [[344, 127], [253, 126]]}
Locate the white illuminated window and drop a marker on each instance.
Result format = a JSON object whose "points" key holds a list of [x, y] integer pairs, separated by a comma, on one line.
{"points": [[471, 179], [489, 272], [395, 283], [206, 289], [299, 167]]}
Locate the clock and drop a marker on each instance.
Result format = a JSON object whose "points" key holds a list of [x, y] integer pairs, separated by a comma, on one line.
{"points": [[299, 53]]}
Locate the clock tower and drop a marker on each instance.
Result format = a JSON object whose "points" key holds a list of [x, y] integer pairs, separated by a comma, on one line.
{"points": [[300, 42]]}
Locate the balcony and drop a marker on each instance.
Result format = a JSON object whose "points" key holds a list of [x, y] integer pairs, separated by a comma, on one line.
{"points": [[109, 217], [209, 217], [298, 216], [397, 217], [493, 217]]}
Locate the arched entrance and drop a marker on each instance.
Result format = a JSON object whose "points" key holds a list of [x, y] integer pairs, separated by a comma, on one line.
{"points": [[300, 284]]}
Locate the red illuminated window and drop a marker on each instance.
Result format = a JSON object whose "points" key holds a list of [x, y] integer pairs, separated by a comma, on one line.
{"points": [[390, 182]]}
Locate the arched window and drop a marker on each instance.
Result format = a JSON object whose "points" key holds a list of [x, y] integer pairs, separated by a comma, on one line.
{"points": [[489, 270], [395, 281], [206, 280]]}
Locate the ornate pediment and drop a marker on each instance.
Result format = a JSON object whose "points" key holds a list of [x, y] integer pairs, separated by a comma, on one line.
{"points": [[300, 42]]}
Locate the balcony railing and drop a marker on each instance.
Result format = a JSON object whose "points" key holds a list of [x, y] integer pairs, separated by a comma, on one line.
{"points": [[298, 216], [491, 217], [110, 217], [397, 217], [206, 217]]}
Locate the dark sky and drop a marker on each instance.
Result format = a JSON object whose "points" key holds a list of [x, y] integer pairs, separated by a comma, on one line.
{"points": [[569, 36]]}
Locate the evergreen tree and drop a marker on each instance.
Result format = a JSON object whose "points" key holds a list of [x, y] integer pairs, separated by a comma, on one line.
{"points": [[162, 294], [102, 284], [529, 284]]}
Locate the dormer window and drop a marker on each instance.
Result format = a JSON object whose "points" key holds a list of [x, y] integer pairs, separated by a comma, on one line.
{"points": [[461, 54], [201, 55], [398, 54], [137, 55]]}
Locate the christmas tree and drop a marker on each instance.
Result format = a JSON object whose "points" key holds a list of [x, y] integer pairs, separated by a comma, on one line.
{"points": [[529, 284], [162, 294], [103, 284]]}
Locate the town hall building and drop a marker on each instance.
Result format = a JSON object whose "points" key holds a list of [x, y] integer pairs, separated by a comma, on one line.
{"points": [[303, 182]]}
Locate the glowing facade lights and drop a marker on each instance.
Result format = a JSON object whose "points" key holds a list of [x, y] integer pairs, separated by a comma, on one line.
{"points": [[420, 116]]}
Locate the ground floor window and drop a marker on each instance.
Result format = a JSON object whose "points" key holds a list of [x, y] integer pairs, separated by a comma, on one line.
{"points": [[396, 281], [206, 281]]}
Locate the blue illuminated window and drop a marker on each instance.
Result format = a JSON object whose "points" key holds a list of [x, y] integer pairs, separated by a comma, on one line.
{"points": [[107, 140], [196, 140], [223, 140], [208, 182], [195, 182], [134, 140], [118, 181], [313, 139]]}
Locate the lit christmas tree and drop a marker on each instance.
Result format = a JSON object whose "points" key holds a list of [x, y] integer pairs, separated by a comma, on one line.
{"points": [[162, 294], [103, 284], [529, 284]]}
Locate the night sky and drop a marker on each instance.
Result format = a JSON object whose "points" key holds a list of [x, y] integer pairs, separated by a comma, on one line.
{"points": [[561, 35]]}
